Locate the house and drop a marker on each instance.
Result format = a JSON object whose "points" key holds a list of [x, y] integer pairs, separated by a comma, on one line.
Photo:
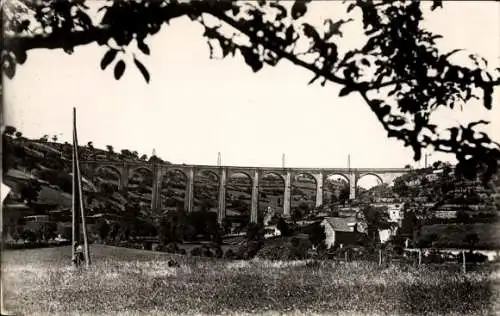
{"points": [[395, 211], [343, 230], [271, 231]]}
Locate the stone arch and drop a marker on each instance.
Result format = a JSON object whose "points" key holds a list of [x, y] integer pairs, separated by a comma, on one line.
{"points": [[272, 173], [114, 170], [271, 192], [135, 169], [140, 185], [303, 190], [335, 193], [206, 190], [238, 193], [344, 176], [381, 181], [173, 185]]}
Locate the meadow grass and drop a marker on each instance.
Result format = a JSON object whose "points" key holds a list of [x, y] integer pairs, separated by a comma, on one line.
{"points": [[134, 282]]}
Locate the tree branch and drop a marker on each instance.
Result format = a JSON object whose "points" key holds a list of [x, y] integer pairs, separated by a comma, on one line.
{"points": [[272, 46]]}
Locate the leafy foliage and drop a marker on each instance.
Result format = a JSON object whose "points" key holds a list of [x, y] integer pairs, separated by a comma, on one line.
{"points": [[398, 70]]}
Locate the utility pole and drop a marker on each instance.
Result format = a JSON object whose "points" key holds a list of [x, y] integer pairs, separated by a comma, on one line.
{"points": [[77, 203], [349, 161], [219, 160], [426, 156], [283, 160]]}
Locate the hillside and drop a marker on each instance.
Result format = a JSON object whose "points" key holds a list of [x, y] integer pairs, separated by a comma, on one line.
{"points": [[48, 164]]}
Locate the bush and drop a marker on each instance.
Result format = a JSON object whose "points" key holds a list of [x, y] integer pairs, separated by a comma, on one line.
{"points": [[156, 247], [283, 227], [28, 236], [475, 257], [218, 253], [255, 232], [248, 250], [229, 254], [198, 251]]}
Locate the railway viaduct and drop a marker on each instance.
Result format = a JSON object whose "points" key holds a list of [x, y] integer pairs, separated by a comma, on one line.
{"points": [[125, 170]]}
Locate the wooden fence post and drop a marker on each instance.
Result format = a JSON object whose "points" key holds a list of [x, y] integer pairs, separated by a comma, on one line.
{"points": [[464, 268]]}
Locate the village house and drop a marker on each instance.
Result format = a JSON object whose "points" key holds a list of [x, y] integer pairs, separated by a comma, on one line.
{"points": [[343, 231]]}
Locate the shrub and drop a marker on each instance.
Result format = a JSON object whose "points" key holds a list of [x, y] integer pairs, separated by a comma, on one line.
{"points": [[156, 247], [255, 232], [229, 254], [248, 250], [171, 247], [218, 253], [28, 235], [283, 227]]}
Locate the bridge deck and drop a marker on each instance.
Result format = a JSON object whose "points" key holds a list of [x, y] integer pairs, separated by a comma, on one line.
{"points": [[212, 167]]}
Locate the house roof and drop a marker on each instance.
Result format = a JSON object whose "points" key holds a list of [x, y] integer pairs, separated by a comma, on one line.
{"points": [[341, 224]]}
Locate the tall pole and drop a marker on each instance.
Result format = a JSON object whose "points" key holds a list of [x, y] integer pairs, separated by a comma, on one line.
{"points": [[78, 184], [219, 160], [349, 161], [75, 231], [283, 160]]}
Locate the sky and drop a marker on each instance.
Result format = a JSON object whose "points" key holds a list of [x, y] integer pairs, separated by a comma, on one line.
{"points": [[195, 107]]}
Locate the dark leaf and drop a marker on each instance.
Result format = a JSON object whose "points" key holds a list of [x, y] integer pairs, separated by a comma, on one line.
{"points": [[299, 8], [436, 4], [21, 57], [398, 122], [281, 9], [251, 58], [351, 7], [452, 52], [488, 93], [142, 69], [108, 58], [235, 9], [313, 79], [345, 91], [84, 19], [310, 31], [143, 47], [289, 34], [119, 69]]}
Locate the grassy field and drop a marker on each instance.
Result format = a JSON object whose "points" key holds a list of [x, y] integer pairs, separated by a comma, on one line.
{"points": [[130, 282], [488, 233]]}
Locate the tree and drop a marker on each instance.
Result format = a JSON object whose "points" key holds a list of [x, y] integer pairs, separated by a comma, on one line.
{"points": [[47, 231], [28, 235], [9, 130], [283, 227], [376, 218], [30, 191], [103, 228], [90, 145], [109, 148], [471, 240], [54, 138], [44, 138], [255, 232], [317, 235], [401, 75]]}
